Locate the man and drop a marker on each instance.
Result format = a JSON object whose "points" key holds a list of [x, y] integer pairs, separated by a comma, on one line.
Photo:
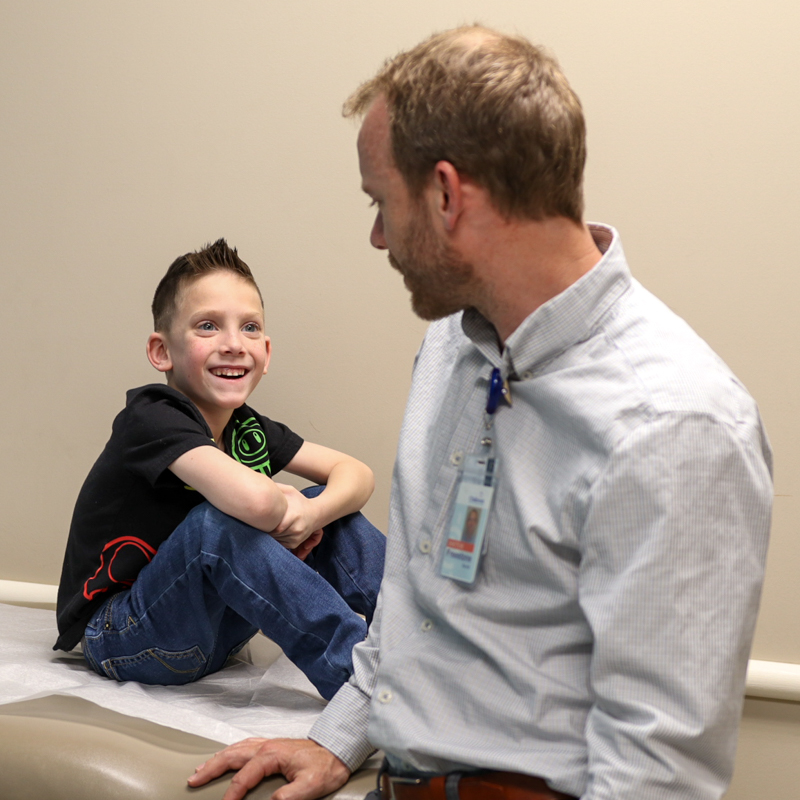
{"points": [[600, 650]]}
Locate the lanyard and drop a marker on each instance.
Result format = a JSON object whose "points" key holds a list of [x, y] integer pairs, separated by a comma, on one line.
{"points": [[499, 392], [466, 534]]}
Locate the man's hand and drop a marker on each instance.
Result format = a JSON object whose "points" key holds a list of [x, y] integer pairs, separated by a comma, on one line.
{"points": [[312, 771], [299, 520]]}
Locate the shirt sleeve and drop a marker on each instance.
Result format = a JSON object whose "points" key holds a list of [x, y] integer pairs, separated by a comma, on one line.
{"points": [[282, 443], [673, 551], [342, 726], [158, 429]]}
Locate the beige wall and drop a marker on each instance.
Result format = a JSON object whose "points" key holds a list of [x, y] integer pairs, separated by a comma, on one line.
{"points": [[132, 132]]}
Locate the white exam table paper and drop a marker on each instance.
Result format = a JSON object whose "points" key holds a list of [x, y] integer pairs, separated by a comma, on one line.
{"points": [[249, 697]]}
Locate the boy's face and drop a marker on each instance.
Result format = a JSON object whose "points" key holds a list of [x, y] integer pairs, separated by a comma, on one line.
{"points": [[215, 351]]}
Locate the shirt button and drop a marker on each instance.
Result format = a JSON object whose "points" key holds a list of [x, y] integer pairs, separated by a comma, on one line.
{"points": [[425, 546], [426, 626], [456, 458], [385, 697]]}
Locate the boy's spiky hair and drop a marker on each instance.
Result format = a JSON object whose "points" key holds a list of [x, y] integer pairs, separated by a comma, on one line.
{"points": [[188, 268]]}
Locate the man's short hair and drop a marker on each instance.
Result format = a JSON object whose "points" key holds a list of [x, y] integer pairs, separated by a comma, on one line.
{"points": [[186, 269], [496, 107]]}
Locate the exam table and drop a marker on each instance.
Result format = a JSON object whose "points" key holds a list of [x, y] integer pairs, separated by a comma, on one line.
{"points": [[67, 747]]}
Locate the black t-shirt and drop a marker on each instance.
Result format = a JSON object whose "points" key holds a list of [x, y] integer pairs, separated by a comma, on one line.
{"points": [[130, 502]]}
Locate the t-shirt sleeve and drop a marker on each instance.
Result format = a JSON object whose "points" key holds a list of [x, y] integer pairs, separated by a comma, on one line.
{"points": [[158, 428], [283, 443]]}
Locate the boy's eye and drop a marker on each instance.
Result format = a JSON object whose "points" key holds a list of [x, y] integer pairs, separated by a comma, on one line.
{"points": [[206, 326], [251, 327]]}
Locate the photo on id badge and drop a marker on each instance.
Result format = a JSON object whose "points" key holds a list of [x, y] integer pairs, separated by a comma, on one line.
{"points": [[467, 531]]}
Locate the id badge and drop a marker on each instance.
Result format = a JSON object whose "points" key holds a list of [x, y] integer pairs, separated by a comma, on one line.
{"points": [[467, 531]]}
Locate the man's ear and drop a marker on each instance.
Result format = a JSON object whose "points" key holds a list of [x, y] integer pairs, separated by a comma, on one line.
{"points": [[448, 194], [268, 345], [158, 352]]}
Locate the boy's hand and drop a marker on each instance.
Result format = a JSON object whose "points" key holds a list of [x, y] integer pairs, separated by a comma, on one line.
{"points": [[299, 521], [308, 545]]}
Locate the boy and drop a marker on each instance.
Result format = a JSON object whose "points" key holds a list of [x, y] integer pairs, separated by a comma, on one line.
{"points": [[163, 587]]}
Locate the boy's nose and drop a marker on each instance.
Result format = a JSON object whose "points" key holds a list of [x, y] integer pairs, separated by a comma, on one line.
{"points": [[232, 342]]}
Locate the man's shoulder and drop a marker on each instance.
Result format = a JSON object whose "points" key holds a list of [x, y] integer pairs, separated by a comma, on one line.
{"points": [[677, 370], [641, 364]]}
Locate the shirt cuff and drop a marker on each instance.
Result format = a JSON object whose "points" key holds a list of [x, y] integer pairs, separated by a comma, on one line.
{"points": [[342, 727]]}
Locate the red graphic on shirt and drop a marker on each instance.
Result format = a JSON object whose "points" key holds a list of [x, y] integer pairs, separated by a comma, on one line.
{"points": [[120, 563]]}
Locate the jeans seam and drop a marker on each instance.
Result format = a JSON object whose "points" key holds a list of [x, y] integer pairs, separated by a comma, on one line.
{"points": [[110, 664], [269, 604], [346, 570]]}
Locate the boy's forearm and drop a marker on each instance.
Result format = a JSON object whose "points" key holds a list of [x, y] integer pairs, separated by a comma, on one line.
{"points": [[349, 486], [233, 488], [263, 508]]}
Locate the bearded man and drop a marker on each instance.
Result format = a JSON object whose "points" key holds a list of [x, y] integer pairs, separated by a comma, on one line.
{"points": [[592, 642]]}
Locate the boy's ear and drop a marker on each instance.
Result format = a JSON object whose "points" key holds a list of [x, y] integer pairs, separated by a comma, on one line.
{"points": [[268, 345], [158, 352]]}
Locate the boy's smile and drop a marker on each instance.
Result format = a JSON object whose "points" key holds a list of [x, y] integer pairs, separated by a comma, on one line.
{"points": [[215, 351]]}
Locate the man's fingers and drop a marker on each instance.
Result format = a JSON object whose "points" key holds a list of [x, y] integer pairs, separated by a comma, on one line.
{"points": [[303, 787], [234, 757], [313, 779], [260, 766]]}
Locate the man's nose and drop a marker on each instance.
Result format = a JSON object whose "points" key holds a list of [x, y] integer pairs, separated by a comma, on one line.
{"points": [[376, 238]]}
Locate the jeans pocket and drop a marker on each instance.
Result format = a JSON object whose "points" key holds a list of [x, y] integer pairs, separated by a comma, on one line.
{"points": [[157, 666], [111, 618]]}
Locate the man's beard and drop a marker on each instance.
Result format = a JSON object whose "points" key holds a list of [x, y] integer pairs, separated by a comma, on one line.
{"points": [[440, 282]]}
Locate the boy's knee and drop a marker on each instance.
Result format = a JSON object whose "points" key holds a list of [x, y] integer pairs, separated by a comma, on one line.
{"points": [[202, 517], [212, 531], [206, 523]]}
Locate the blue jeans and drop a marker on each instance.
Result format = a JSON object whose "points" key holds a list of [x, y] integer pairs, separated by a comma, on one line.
{"points": [[216, 581]]}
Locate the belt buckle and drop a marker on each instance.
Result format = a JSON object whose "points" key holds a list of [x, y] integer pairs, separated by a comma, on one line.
{"points": [[394, 779]]}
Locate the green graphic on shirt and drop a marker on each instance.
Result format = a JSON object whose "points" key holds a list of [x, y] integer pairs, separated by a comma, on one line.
{"points": [[249, 445]]}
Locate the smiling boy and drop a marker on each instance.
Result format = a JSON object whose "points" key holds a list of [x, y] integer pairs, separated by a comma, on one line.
{"points": [[181, 545]]}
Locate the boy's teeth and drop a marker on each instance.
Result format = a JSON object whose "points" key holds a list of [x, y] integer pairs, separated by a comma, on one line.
{"points": [[228, 373]]}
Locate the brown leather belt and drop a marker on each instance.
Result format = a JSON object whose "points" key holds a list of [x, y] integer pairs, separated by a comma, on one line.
{"points": [[474, 786]]}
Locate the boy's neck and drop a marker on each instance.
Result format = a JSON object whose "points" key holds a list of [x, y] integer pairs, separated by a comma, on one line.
{"points": [[216, 418]]}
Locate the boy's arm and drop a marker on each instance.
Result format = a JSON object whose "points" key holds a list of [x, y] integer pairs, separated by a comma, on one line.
{"points": [[233, 488], [348, 485]]}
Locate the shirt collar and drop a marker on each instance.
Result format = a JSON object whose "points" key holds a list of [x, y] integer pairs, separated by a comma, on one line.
{"points": [[564, 320]]}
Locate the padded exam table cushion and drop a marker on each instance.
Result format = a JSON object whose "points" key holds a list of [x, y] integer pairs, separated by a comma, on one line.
{"points": [[66, 747]]}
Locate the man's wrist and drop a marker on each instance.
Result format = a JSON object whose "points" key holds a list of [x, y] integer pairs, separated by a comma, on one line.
{"points": [[342, 727]]}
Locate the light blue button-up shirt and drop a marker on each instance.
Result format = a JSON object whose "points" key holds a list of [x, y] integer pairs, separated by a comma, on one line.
{"points": [[604, 643]]}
